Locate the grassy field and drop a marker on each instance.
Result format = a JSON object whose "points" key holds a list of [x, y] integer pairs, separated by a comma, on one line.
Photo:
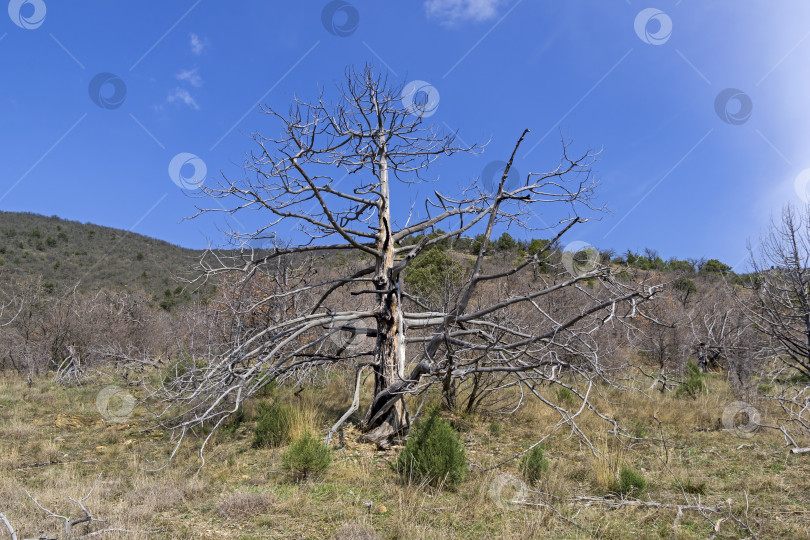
{"points": [[54, 444]]}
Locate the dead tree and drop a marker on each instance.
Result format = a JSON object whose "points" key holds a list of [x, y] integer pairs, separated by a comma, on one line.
{"points": [[777, 298], [71, 371], [660, 339], [724, 338], [337, 183], [708, 356], [10, 306], [70, 522]]}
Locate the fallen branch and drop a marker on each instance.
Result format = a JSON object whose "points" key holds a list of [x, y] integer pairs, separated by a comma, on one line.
{"points": [[6, 522], [49, 463], [697, 506], [355, 403], [68, 520], [623, 503]]}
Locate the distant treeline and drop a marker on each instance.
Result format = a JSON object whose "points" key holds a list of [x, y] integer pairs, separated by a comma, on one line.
{"points": [[648, 259]]}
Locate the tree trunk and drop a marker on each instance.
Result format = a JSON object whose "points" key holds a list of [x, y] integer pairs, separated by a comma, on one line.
{"points": [[381, 426]]}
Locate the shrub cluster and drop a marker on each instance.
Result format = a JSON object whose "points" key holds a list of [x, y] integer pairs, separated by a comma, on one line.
{"points": [[307, 456], [534, 465], [434, 454], [694, 381], [273, 426], [631, 482]]}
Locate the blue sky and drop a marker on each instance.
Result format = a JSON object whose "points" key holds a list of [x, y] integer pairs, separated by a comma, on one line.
{"points": [[678, 171]]}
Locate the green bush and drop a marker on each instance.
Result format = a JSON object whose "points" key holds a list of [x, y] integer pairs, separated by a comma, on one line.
{"points": [[799, 378], [685, 285], [307, 456], [565, 396], [476, 244], [431, 272], [631, 482], [536, 246], [676, 265], [534, 465], [694, 382], [713, 266], [273, 426], [434, 454], [624, 275], [506, 242]]}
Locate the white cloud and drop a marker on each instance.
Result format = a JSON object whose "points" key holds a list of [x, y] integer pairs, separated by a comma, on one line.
{"points": [[191, 76], [197, 45], [180, 94], [454, 11]]}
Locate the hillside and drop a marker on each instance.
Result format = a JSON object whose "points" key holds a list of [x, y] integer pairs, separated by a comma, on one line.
{"points": [[66, 252]]}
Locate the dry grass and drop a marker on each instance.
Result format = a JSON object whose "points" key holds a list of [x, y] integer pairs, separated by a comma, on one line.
{"points": [[56, 444], [355, 531], [242, 505], [162, 494], [306, 418], [18, 430]]}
